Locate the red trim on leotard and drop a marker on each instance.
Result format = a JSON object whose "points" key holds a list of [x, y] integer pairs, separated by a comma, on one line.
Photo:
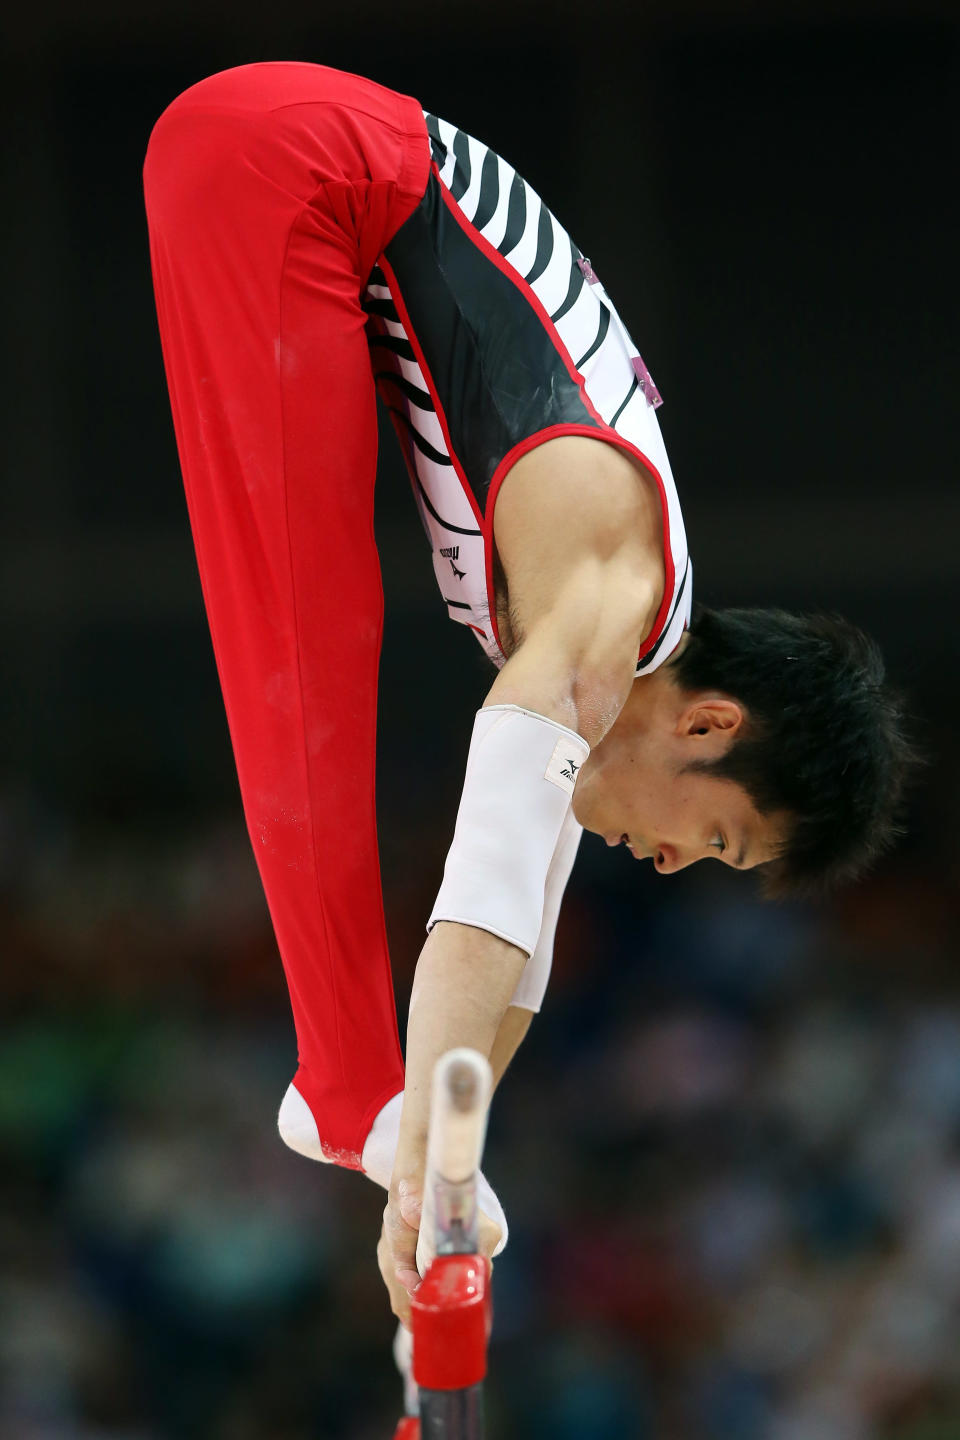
{"points": [[552, 432]]}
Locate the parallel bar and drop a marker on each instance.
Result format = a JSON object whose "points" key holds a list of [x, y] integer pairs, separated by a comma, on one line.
{"points": [[448, 1413], [451, 1311], [462, 1083]]}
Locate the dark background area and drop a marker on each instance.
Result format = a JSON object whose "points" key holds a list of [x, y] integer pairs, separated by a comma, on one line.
{"points": [[729, 1147]]}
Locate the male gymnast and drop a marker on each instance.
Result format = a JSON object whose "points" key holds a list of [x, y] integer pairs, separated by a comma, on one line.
{"points": [[314, 236]]}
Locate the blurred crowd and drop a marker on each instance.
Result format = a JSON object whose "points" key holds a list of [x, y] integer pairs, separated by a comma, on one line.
{"points": [[728, 1151]]}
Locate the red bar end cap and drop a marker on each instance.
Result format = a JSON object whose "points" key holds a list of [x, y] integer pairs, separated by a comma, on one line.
{"points": [[451, 1314]]}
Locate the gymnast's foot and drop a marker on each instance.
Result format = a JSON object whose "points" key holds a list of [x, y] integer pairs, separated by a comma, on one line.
{"points": [[298, 1129]]}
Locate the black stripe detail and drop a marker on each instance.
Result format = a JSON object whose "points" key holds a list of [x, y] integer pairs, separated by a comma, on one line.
{"points": [[489, 191], [454, 529], [498, 374], [460, 180], [414, 394], [395, 344], [635, 385], [377, 277], [437, 147], [573, 291], [652, 654], [374, 305], [544, 246], [457, 604], [516, 216], [601, 334], [424, 446]]}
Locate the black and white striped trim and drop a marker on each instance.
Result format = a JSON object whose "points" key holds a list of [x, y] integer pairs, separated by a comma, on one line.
{"points": [[513, 219]]}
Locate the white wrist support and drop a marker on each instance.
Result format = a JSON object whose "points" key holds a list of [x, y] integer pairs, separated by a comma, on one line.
{"points": [[532, 985], [520, 775]]}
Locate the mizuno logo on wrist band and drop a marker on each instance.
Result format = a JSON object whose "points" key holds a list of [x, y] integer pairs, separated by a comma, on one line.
{"points": [[562, 770]]}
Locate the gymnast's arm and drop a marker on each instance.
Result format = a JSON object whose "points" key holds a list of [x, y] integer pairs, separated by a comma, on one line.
{"points": [[578, 532]]}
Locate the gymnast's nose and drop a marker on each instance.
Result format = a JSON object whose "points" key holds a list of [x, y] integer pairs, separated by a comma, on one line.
{"points": [[668, 859]]}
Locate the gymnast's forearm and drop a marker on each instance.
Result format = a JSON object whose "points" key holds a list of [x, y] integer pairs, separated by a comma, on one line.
{"points": [[462, 987]]}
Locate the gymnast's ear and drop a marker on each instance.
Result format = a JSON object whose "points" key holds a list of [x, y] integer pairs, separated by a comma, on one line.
{"points": [[710, 718]]}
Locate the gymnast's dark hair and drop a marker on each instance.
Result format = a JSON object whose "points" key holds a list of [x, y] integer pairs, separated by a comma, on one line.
{"points": [[825, 738]]}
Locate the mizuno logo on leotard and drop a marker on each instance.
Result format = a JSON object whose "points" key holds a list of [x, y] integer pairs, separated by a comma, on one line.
{"points": [[450, 552], [571, 770], [459, 573]]}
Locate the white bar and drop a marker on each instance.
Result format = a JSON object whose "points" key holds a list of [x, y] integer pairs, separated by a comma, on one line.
{"points": [[460, 1101]]}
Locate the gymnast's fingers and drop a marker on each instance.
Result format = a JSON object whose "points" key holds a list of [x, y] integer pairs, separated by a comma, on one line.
{"points": [[401, 1223], [399, 1296]]}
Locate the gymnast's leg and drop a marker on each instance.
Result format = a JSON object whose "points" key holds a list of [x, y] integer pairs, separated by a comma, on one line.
{"points": [[271, 190]]}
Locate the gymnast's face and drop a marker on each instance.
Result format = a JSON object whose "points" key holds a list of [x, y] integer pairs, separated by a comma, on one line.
{"points": [[636, 789]]}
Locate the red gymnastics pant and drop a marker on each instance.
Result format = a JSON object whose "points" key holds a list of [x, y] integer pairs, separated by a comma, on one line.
{"points": [[271, 190]]}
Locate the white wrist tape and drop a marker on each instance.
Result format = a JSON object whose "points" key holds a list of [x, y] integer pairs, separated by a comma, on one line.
{"points": [[532, 985], [521, 771]]}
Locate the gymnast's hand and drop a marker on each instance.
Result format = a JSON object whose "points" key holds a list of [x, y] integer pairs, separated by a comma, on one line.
{"points": [[397, 1247], [461, 990]]}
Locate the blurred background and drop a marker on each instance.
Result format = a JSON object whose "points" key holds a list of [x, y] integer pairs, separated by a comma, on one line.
{"points": [[730, 1147]]}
